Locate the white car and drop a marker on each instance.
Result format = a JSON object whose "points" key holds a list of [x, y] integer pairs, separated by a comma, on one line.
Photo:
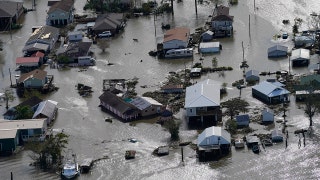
{"points": [[104, 34]]}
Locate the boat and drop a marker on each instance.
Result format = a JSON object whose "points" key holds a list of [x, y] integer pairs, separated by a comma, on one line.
{"points": [[130, 154], [86, 164], [238, 143], [267, 142], [133, 140], [70, 168], [179, 53], [256, 149]]}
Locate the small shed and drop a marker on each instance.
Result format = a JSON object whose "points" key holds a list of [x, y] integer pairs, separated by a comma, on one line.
{"points": [[276, 136], [209, 47], [277, 51], [242, 120], [267, 116], [75, 36], [300, 57], [252, 140], [195, 72], [207, 36], [252, 76]]}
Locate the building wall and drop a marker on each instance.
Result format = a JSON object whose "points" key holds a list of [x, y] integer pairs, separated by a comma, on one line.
{"points": [[33, 82], [8, 145], [277, 54], [175, 44], [59, 17]]}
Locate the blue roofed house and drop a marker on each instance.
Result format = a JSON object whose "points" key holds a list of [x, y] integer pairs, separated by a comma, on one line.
{"points": [[242, 120], [34, 79], [60, 13], [202, 103], [270, 92], [221, 22], [267, 116], [252, 76], [213, 139], [207, 36], [277, 51]]}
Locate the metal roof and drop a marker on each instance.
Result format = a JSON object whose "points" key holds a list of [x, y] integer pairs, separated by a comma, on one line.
{"points": [[203, 94], [9, 8], [22, 124], [209, 45], [252, 73], [46, 108], [278, 48], [300, 54], [270, 89], [8, 133], [144, 102], [214, 135]]}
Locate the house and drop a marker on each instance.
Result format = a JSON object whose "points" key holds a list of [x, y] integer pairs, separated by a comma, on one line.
{"points": [[212, 142], [46, 110], [47, 36], [252, 76], [9, 140], [73, 51], [195, 72], [177, 38], [306, 85], [276, 136], [75, 36], [29, 62], [60, 13], [300, 57], [252, 140], [146, 105], [34, 79], [209, 47], [267, 116], [202, 103], [277, 51], [172, 88], [243, 120], [28, 129], [10, 13], [207, 36], [32, 102], [221, 22], [112, 22], [270, 92], [304, 40], [116, 105]]}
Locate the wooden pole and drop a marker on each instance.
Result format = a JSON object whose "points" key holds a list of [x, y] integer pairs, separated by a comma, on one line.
{"points": [[154, 22], [254, 5], [182, 153], [249, 27], [195, 4], [172, 6], [10, 77], [11, 176]]}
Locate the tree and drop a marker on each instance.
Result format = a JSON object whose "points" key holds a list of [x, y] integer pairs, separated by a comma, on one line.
{"points": [[103, 44], [48, 154], [214, 62], [31, 93], [235, 106], [8, 96], [297, 24], [24, 112], [231, 126], [173, 128], [312, 106]]}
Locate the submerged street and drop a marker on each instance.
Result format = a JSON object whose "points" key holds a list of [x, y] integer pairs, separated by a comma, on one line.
{"points": [[92, 137]]}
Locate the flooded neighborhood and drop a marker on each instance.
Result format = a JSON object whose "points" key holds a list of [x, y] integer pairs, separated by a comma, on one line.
{"points": [[219, 89]]}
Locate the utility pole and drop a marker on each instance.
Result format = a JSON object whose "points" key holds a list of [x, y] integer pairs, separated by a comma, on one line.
{"points": [[195, 4], [249, 27], [10, 77], [172, 7]]}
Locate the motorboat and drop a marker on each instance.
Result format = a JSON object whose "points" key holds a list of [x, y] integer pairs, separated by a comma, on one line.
{"points": [[70, 168]]}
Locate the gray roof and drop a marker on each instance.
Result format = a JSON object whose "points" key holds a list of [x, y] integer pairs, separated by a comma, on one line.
{"points": [[278, 48], [46, 108], [45, 33], [108, 21], [270, 89], [268, 110], [252, 73], [300, 54], [36, 47], [23, 124], [144, 102], [242, 118], [203, 94], [195, 70], [209, 44], [9, 8]]}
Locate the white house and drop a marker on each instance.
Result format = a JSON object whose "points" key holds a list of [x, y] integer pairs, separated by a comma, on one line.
{"points": [[60, 13], [300, 57], [177, 38], [75, 36], [209, 47], [267, 116], [202, 103], [213, 136]]}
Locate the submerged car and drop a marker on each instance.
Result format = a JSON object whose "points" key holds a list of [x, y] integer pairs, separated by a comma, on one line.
{"points": [[104, 34]]}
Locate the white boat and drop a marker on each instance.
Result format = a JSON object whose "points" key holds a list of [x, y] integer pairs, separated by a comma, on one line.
{"points": [[239, 143], [70, 168], [178, 53]]}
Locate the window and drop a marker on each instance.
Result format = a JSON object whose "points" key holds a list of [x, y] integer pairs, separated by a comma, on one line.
{"points": [[152, 109], [191, 110]]}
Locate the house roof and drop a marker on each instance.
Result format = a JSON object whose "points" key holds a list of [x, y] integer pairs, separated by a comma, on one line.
{"points": [[306, 80], [38, 54], [207, 32], [172, 86], [46, 108], [203, 94], [276, 133], [22, 124], [44, 33], [267, 110], [179, 33], [209, 45], [144, 102], [38, 74], [64, 5], [278, 48], [8, 133], [300, 54], [243, 118], [76, 49], [252, 73], [195, 70], [211, 135], [117, 103], [270, 89], [25, 60], [221, 13], [108, 21], [36, 47], [9, 8], [34, 100]]}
